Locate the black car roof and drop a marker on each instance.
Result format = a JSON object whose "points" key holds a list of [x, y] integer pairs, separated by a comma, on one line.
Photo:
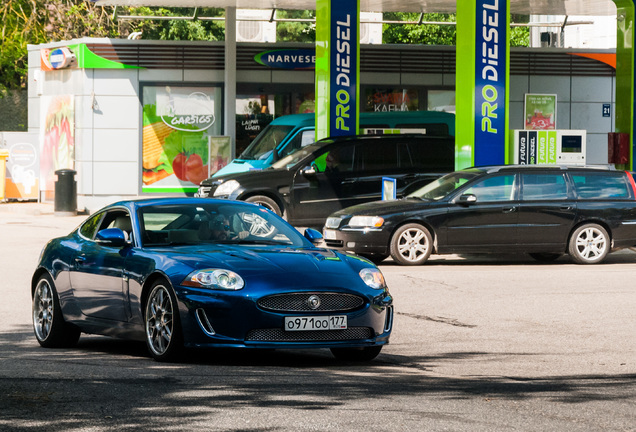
{"points": [[498, 168]]}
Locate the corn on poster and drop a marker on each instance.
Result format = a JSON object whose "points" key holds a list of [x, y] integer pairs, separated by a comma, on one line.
{"points": [[178, 123], [57, 140]]}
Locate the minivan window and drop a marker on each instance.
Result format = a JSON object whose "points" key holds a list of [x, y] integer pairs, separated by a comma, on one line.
{"points": [[265, 142], [296, 156], [378, 155], [432, 155], [548, 186], [601, 185], [338, 159]]}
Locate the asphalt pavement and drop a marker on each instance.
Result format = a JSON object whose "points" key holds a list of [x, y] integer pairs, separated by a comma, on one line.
{"points": [[480, 343]]}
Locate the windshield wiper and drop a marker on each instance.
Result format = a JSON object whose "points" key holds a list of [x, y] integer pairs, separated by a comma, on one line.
{"points": [[265, 242]]}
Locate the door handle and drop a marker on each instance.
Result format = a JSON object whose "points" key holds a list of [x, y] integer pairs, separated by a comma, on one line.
{"points": [[347, 182], [566, 207], [509, 210], [80, 259]]}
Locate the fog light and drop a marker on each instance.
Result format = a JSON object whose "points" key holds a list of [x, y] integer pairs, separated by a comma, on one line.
{"points": [[351, 244]]}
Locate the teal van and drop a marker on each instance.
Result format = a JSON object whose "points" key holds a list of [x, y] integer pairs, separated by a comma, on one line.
{"points": [[291, 132]]}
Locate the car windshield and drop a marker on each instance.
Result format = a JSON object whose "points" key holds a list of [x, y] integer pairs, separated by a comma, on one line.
{"points": [[214, 223], [298, 155], [444, 186], [265, 142]]}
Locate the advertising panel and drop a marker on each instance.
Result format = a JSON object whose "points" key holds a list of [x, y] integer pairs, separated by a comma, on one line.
{"points": [[178, 124], [540, 111], [22, 168], [57, 140], [563, 147]]}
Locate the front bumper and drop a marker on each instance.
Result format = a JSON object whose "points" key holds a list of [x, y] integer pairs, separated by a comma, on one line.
{"points": [[359, 241], [235, 320]]}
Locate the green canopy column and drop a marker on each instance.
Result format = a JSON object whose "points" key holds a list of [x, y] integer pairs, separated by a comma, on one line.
{"points": [[625, 72], [482, 79], [337, 67]]}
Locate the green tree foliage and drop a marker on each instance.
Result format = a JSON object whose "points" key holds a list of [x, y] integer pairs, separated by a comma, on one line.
{"points": [[39, 21], [291, 31], [439, 34], [192, 29], [427, 34]]}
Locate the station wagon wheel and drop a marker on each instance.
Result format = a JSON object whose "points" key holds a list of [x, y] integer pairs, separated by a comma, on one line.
{"points": [[411, 244], [163, 328], [589, 244], [49, 326], [356, 354]]}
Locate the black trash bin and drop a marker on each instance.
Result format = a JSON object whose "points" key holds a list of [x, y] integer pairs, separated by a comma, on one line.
{"points": [[65, 192]]}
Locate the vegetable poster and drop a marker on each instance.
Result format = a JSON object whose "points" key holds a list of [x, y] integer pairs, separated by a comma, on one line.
{"points": [[178, 123], [57, 140], [540, 111]]}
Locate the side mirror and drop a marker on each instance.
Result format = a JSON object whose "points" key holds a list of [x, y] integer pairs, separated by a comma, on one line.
{"points": [[308, 171], [467, 199], [114, 237], [313, 236]]}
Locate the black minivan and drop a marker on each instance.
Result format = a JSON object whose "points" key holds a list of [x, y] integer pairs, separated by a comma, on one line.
{"points": [[328, 175]]}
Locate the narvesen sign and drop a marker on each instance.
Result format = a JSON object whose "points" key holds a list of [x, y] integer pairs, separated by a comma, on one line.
{"points": [[490, 80], [288, 58]]}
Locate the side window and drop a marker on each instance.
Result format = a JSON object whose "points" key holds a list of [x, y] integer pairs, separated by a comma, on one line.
{"points": [[338, 159], [378, 155], [431, 155], [499, 188], [548, 186], [601, 185], [300, 140], [89, 228], [117, 219]]}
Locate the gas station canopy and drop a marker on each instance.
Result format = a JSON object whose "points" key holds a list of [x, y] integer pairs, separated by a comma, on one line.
{"points": [[523, 7]]}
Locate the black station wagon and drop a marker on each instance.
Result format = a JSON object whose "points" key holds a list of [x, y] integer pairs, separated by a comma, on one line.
{"points": [[545, 211]]}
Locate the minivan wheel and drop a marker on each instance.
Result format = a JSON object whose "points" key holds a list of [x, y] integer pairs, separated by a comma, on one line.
{"points": [[589, 244], [411, 244], [266, 202]]}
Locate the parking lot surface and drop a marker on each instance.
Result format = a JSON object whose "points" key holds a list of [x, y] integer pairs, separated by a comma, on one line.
{"points": [[480, 343]]}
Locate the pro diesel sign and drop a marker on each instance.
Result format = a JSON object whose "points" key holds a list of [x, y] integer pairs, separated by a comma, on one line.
{"points": [[490, 81]]}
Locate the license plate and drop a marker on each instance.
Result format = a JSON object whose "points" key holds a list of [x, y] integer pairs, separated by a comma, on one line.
{"points": [[330, 234], [336, 322]]}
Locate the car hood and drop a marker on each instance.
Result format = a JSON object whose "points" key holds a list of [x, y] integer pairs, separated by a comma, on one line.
{"points": [[386, 207], [260, 177], [253, 262]]}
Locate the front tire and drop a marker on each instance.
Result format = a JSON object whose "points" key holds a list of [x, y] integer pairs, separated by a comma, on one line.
{"points": [[266, 202], [49, 326], [411, 244], [356, 354], [589, 244], [164, 336]]}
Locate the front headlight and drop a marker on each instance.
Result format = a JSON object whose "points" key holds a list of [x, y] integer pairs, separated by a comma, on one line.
{"points": [[226, 188], [215, 279], [366, 221], [373, 277]]}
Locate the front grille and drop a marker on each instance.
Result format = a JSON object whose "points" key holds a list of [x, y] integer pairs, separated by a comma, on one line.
{"points": [[298, 302], [334, 243], [279, 335]]}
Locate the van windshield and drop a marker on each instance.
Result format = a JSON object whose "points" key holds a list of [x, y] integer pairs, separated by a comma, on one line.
{"points": [[265, 142]]}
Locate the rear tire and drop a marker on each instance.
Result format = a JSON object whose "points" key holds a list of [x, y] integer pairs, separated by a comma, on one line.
{"points": [[356, 354], [49, 326], [589, 244]]}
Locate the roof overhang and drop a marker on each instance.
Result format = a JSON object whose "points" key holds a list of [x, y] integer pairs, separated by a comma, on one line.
{"points": [[523, 7]]}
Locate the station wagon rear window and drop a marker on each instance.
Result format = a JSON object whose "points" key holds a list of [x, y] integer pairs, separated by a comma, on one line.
{"points": [[602, 186]]}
